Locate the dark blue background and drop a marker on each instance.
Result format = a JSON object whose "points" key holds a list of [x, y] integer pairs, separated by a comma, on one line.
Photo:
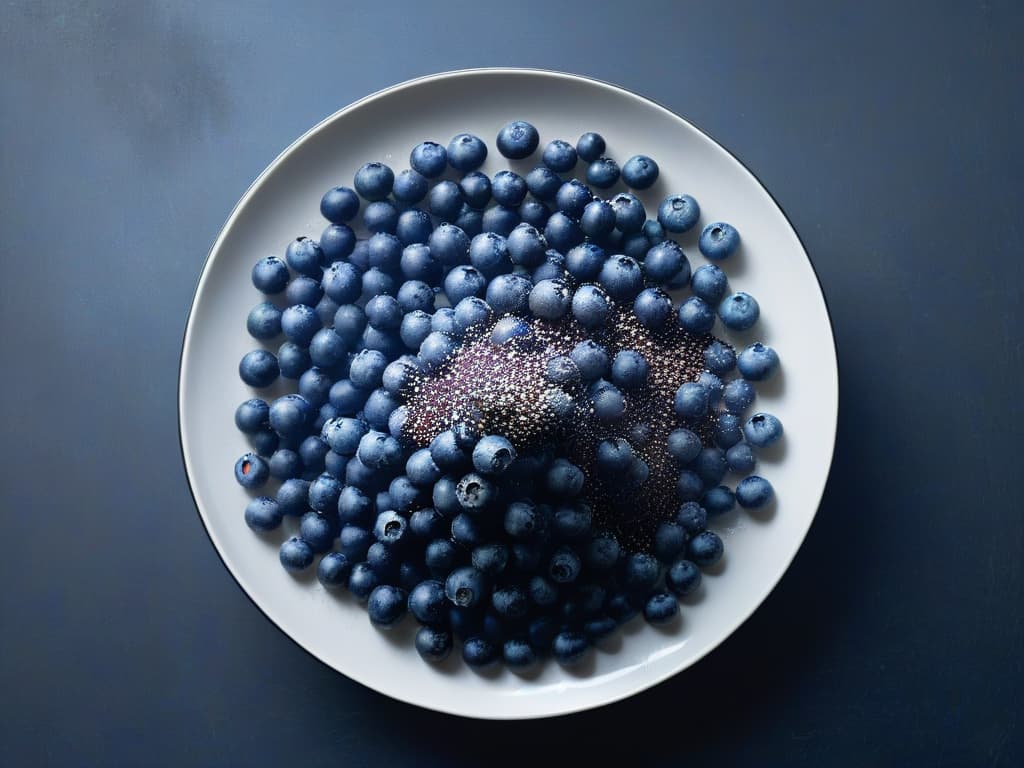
{"points": [[891, 137]]}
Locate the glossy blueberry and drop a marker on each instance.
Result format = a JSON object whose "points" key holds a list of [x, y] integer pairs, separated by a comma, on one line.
{"points": [[490, 559], [652, 307], [661, 608], [470, 312], [324, 492], [305, 257], [521, 520], [718, 500], [572, 198], [466, 152], [762, 429], [564, 566], [508, 188], [363, 477], [436, 349], [440, 555], [362, 580], [609, 403], [518, 653], [381, 216], [427, 524], [696, 315], [421, 469], [488, 252], [479, 652], [602, 551], [300, 323], [590, 146], [562, 232], [466, 587], [669, 540], [285, 464], [252, 416], [377, 282], [414, 329], [613, 455], [510, 601], [417, 262], [290, 416], [373, 181], [562, 370], [559, 156], [654, 232], [689, 486], [293, 497], [384, 561], [691, 401], [445, 451], [597, 219], [339, 205], [318, 531], [710, 465], [263, 514], [678, 213], [629, 213], [259, 368], [445, 200], [629, 369], [326, 349], [433, 644], [640, 572], [692, 517], [591, 305], [718, 240], [543, 183], [396, 422], [570, 648], [640, 172], [410, 187], [534, 213], [295, 555], [738, 395], [349, 322], [474, 492], [500, 219], [664, 261], [378, 450], [710, 283], [635, 245], [464, 281], [739, 311], [413, 226], [741, 458], [682, 578], [493, 454], [386, 606], [727, 431], [354, 541], [391, 528], [564, 479], [470, 220], [270, 275], [720, 358], [337, 241], [591, 359], [584, 262], [638, 473], [757, 362], [265, 441], [705, 549], [603, 173], [264, 321], [517, 140], [334, 570], [525, 246], [343, 434], [405, 495], [509, 294], [429, 159], [427, 602]]}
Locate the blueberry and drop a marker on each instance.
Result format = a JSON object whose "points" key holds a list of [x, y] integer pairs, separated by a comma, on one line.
{"points": [[584, 262], [661, 608], [738, 395], [488, 252], [263, 514], [479, 652], [493, 455], [363, 477], [665, 261], [354, 506], [377, 450], [591, 306], [597, 219], [564, 566], [427, 524], [410, 187], [433, 644], [640, 572], [413, 227], [464, 281], [470, 312], [573, 197], [599, 628], [445, 499], [259, 368], [445, 451], [466, 152], [525, 246], [270, 275], [324, 492], [354, 541], [470, 220], [718, 500], [293, 497], [603, 551], [572, 521], [534, 213], [265, 441], [400, 375], [710, 283], [343, 434], [654, 232], [384, 561], [359, 257], [741, 458], [754, 492], [300, 323], [326, 349], [349, 323], [417, 262], [334, 570], [374, 181], [739, 311], [562, 232], [305, 257], [635, 245], [508, 189], [510, 601], [621, 607], [386, 606], [669, 540], [562, 370], [603, 173], [252, 416], [564, 479], [629, 369], [622, 277], [591, 359], [474, 492], [391, 528], [476, 189], [264, 321], [682, 578], [727, 432], [405, 495], [436, 349], [445, 200], [693, 517], [613, 455], [705, 549], [440, 556], [290, 416], [318, 531], [757, 362], [466, 587], [517, 140], [762, 429], [629, 213], [381, 216], [640, 172], [421, 469], [720, 358], [509, 294], [285, 464], [569, 648], [337, 241], [429, 159], [427, 602], [718, 240], [521, 519], [559, 156], [295, 555], [696, 315], [376, 282], [518, 653], [678, 213], [609, 403], [362, 580], [590, 146], [652, 308], [500, 219], [543, 183], [691, 401]]}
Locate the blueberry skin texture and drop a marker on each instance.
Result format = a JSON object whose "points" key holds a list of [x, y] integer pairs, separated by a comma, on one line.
{"points": [[603, 173], [562, 370], [474, 492], [727, 431], [585, 261], [526, 246], [476, 189], [534, 212], [264, 321], [417, 262], [285, 464], [739, 311], [550, 299], [710, 283], [738, 396], [326, 349], [754, 492], [429, 159], [718, 500], [562, 232], [678, 213], [300, 323], [718, 241], [305, 257], [500, 219], [381, 216], [410, 187], [689, 486], [629, 369], [661, 608], [518, 653], [573, 197], [560, 156], [317, 531], [543, 183], [691, 401], [564, 566], [509, 294], [569, 648], [517, 140], [693, 517], [362, 581], [622, 277], [333, 570], [478, 652], [466, 152], [295, 555], [464, 281], [762, 430], [386, 606], [705, 549], [252, 416], [591, 305], [342, 282], [373, 181], [590, 146], [603, 551], [350, 322], [696, 315], [719, 358], [259, 368], [591, 359], [757, 362], [741, 458], [629, 213], [433, 644], [664, 261], [682, 578], [652, 307], [445, 200], [263, 514], [251, 471], [290, 416], [270, 275], [466, 587], [597, 219], [669, 540], [640, 172], [493, 454]]}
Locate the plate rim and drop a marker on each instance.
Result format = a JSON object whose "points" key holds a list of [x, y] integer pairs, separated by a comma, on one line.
{"points": [[338, 114]]}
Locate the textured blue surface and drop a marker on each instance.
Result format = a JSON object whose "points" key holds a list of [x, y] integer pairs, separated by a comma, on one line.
{"points": [[892, 137]]}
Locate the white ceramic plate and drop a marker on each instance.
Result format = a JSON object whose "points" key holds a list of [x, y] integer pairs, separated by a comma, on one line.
{"points": [[773, 266]]}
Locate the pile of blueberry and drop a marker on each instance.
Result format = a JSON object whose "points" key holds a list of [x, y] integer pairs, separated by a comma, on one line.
{"points": [[472, 464]]}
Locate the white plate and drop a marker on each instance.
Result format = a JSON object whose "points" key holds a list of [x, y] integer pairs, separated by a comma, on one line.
{"points": [[773, 266]]}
